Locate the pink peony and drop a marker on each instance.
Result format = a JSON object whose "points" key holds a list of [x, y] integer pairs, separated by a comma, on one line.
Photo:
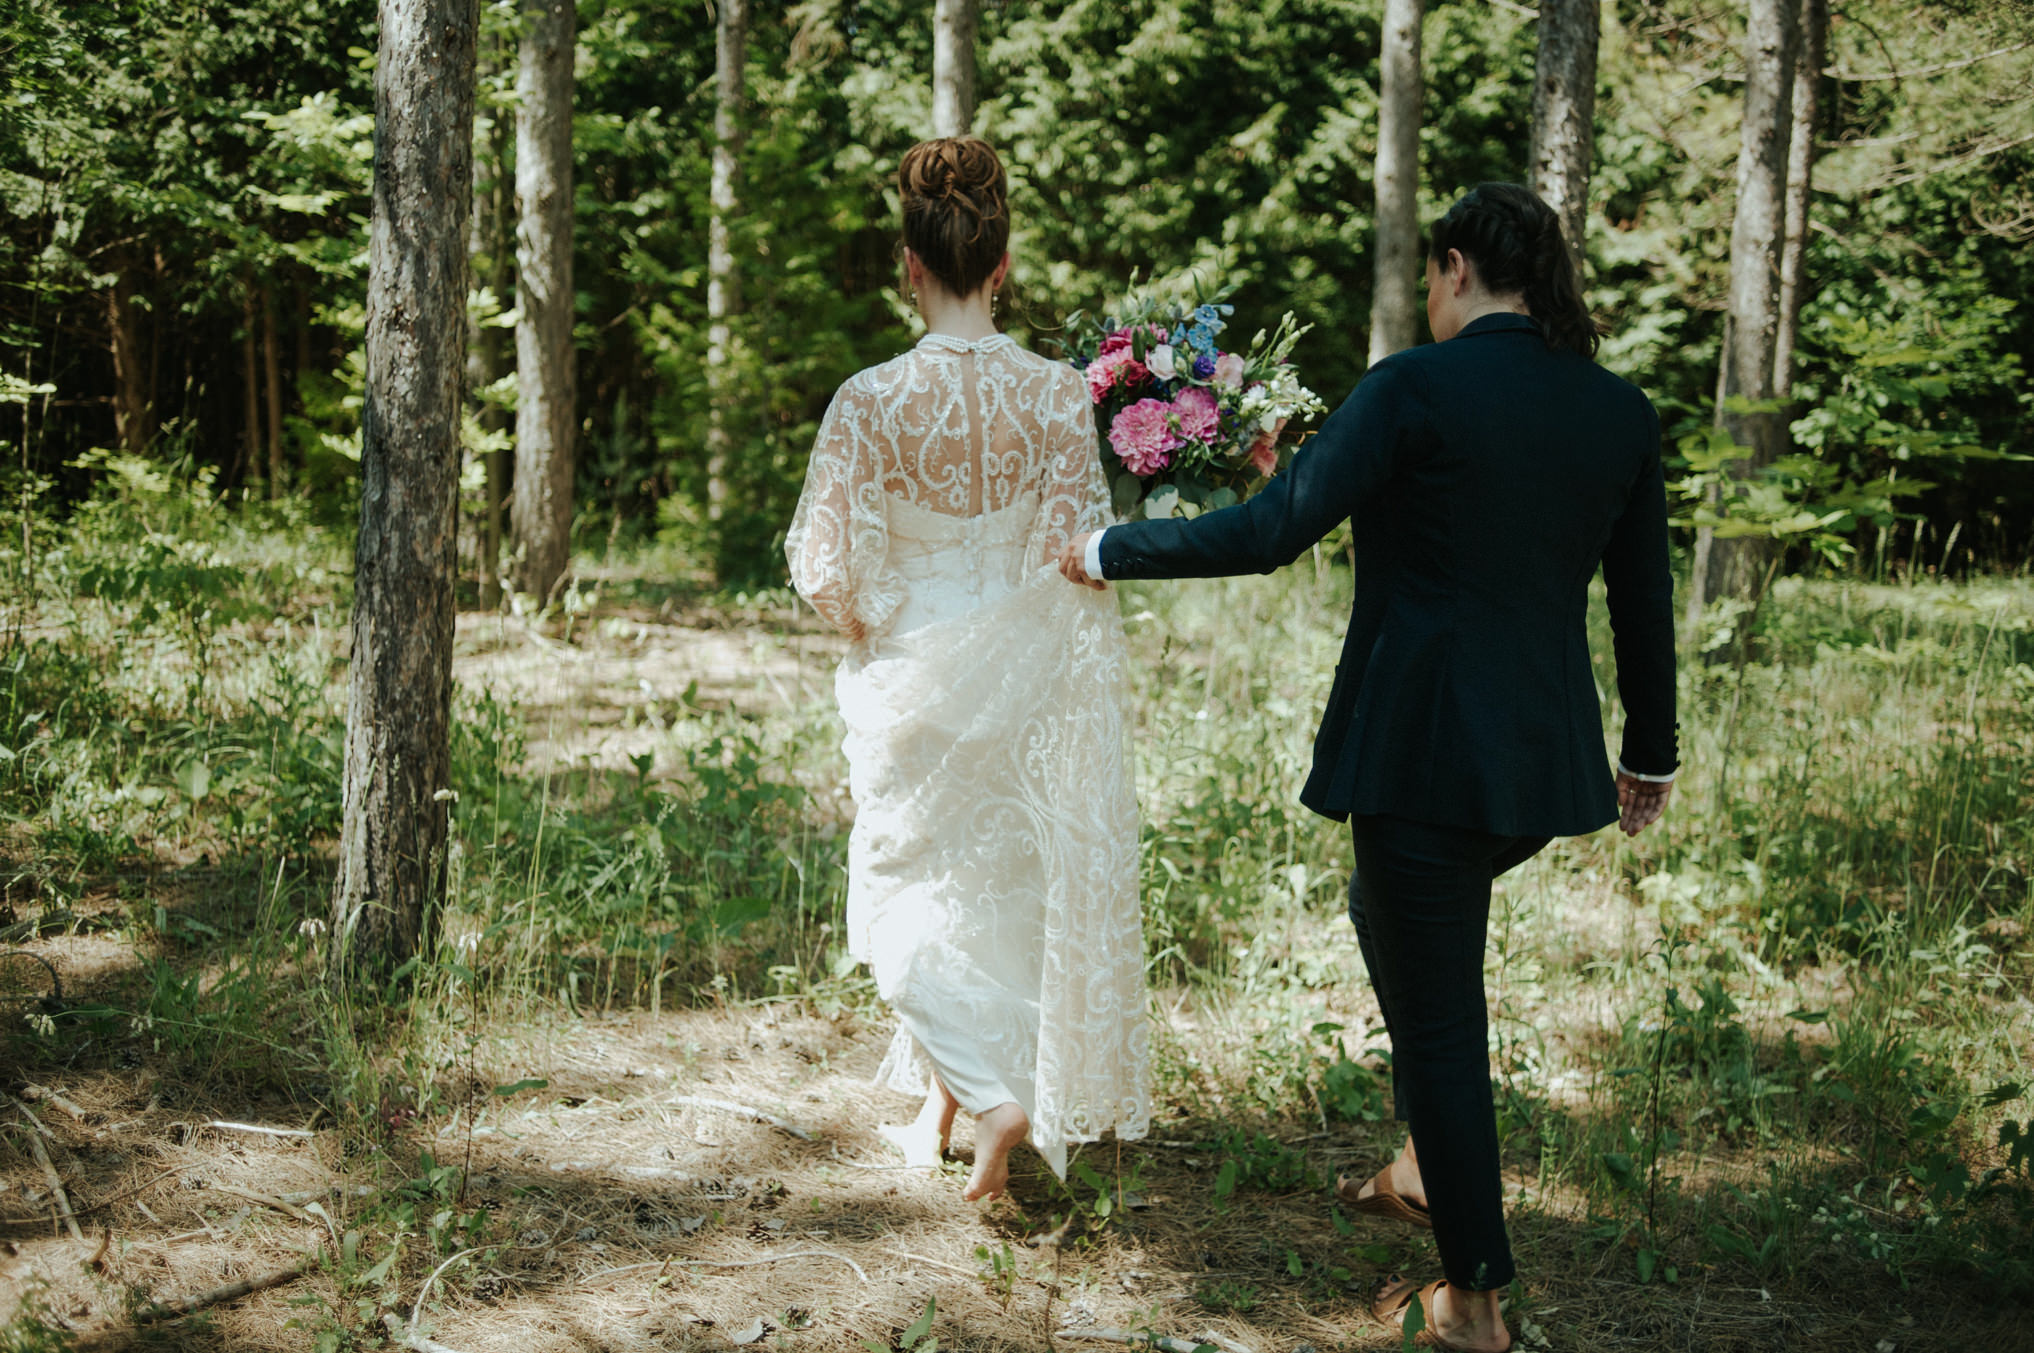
{"points": [[1114, 369], [1199, 417], [1143, 438], [1229, 370]]}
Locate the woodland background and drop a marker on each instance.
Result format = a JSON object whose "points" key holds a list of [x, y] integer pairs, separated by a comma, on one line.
{"points": [[597, 1079]]}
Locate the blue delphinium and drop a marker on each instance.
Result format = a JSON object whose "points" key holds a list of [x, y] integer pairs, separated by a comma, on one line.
{"points": [[1201, 338]]}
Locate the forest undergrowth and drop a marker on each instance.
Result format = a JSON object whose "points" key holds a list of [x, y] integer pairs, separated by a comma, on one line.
{"points": [[1762, 1074]]}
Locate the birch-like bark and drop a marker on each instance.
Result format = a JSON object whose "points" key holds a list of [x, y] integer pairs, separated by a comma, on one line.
{"points": [[954, 23], [395, 819], [1808, 58], [1564, 115], [723, 281], [488, 239], [1395, 302], [1735, 564], [545, 421]]}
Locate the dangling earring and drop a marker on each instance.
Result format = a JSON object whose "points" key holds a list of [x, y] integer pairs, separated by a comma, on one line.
{"points": [[995, 300]]}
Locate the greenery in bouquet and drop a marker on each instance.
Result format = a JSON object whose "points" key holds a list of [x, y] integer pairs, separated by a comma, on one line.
{"points": [[1184, 424]]}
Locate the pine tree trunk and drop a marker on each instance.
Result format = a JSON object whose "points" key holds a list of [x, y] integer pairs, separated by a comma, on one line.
{"points": [[1564, 115], [545, 422], [395, 821], [1395, 303], [1736, 564], [251, 455], [723, 282], [133, 401], [953, 66], [1807, 77], [272, 369]]}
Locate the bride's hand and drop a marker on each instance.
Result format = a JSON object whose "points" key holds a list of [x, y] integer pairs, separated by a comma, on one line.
{"points": [[1073, 563]]}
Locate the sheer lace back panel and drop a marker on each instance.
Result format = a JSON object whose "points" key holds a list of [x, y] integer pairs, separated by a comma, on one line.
{"points": [[958, 429]]}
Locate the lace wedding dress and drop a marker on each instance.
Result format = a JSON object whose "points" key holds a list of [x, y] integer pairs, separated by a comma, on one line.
{"points": [[992, 869]]}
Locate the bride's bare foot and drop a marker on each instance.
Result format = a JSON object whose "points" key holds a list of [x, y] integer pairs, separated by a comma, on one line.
{"points": [[923, 1141], [996, 1132]]}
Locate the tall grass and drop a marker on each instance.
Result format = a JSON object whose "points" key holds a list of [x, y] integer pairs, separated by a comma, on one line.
{"points": [[1786, 1029]]}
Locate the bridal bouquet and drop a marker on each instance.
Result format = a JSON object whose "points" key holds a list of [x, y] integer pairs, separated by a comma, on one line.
{"points": [[1181, 419]]}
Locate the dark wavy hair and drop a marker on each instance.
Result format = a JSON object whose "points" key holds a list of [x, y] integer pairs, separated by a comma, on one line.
{"points": [[1514, 239], [956, 209]]}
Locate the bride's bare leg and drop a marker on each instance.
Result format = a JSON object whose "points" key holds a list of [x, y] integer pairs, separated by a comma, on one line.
{"points": [[996, 1131], [923, 1140]]}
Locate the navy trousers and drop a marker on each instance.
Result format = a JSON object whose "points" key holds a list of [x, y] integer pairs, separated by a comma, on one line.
{"points": [[1420, 899]]}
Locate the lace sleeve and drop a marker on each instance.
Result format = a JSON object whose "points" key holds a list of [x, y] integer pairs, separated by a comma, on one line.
{"points": [[1074, 498], [838, 545]]}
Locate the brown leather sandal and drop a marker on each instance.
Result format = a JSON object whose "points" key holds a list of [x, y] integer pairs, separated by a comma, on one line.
{"points": [[1396, 1297], [1382, 1201]]}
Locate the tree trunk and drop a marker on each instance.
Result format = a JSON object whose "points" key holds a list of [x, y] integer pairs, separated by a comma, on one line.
{"points": [[133, 401], [545, 424], [250, 463], [1395, 299], [1808, 56], [953, 66], [1564, 115], [488, 240], [398, 754], [272, 365], [1735, 564], [723, 282]]}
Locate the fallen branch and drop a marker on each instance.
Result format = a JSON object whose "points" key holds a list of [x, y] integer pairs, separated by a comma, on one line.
{"points": [[746, 1111], [731, 1263], [56, 1183], [1226, 1345], [182, 1306], [1166, 1343], [265, 1200], [260, 1130], [46, 1095]]}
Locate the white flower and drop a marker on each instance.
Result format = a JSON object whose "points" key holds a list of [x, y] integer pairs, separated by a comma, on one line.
{"points": [[1159, 362]]}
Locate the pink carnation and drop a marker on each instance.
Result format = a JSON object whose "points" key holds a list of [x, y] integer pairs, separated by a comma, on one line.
{"points": [[1114, 368], [1199, 418], [1264, 454], [1264, 451], [1143, 438]]}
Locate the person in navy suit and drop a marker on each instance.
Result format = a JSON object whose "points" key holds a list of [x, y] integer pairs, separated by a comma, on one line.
{"points": [[1485, 476]]}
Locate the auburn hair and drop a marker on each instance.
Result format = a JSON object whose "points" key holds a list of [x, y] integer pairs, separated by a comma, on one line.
{"points": [[1515, 241], [956, 210]]}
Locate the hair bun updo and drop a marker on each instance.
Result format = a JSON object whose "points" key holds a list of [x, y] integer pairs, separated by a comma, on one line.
{"points": [[956, 210]]}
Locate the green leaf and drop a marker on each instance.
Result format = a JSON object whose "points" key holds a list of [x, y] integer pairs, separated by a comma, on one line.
{"points": [[194, 777], [1648, 1263], [528, 1083], [920, 1327]]}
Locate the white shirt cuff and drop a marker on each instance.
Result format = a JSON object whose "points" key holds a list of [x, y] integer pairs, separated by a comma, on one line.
{"points": [[1666, 779], [1093, 562]]}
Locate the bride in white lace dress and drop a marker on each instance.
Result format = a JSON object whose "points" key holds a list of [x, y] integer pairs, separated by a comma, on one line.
{"points": [[992, 869]]}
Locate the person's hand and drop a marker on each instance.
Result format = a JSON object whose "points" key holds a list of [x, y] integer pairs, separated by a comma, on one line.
{"points": [[1073, 562], [1640, 802]]}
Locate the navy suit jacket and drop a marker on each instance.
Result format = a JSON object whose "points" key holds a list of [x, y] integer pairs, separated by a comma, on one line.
{"points": [[1485, 478]]}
